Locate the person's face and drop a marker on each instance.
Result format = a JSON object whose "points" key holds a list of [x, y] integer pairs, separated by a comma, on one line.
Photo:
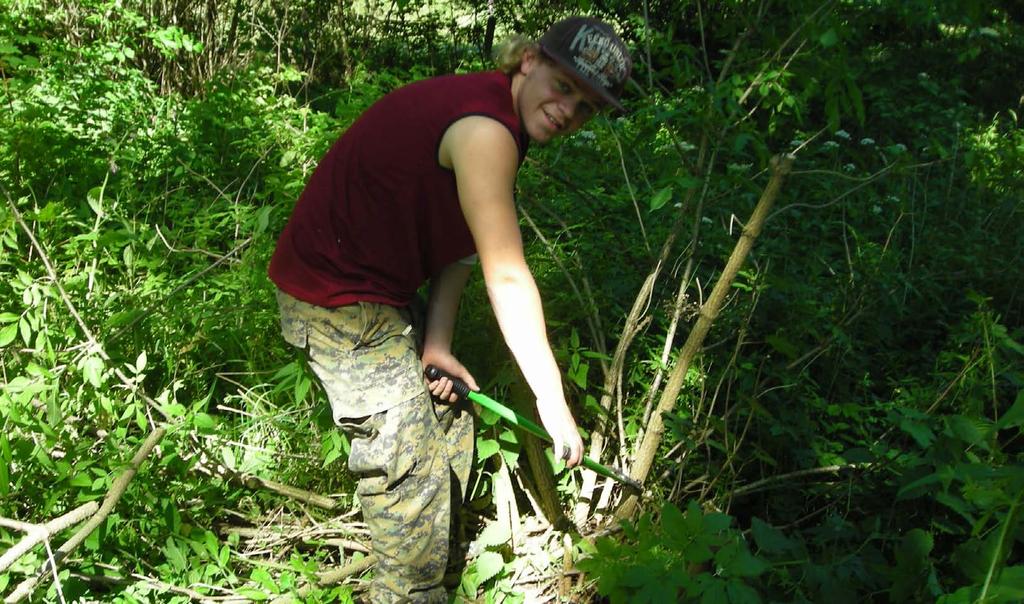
{"points": [[551, 102]]}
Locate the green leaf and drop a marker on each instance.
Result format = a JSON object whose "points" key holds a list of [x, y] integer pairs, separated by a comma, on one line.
{"points": [[716, 522], [907, 491], [81, 480], [694, 518], [782, 345], [686, 182], [204, 422], [8, 317], [495, 534], [302, 386], [1011, 419], [488, 565], [737, 561], [334, 444], [714, 592], [95, 199], [174, 409], [579, 376], [1007, 588], [511, 458], [855, 98], [122, 318], [661, 198], [770, 539], [973, 557], [489, 417], [92, 370], [5, 465], [673, 522], [914, 548], [741, 593], [508, 436], [26, 331], [920, 432], [956, 503], [486, 447], [967, 430], [828, 39], [263, 220], [252, 594], [174, 555], [7, 334], [263, 577]]}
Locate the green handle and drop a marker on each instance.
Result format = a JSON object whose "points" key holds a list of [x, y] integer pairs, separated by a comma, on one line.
{"points": [[462, 389]]}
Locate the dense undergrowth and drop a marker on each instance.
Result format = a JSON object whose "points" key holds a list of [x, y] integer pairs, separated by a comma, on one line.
{"points": [[851, 431]]}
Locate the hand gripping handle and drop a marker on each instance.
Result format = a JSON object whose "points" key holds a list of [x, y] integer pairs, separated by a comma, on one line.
{"points": [[461, 388]]}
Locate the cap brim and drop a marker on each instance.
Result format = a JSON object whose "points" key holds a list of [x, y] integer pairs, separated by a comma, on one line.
{"points": [[601, 93]]}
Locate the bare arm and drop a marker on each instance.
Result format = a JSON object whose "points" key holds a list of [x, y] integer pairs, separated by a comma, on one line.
{"points": [[445, 292], [484, 157]]}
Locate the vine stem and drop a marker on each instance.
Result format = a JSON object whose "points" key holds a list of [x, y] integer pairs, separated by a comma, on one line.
{"points": [[999, 547], [629, 187]]}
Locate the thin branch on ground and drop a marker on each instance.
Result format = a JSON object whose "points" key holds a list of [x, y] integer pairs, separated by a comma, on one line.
{"points": [[326, 579], [38, 533], [117, 489]]}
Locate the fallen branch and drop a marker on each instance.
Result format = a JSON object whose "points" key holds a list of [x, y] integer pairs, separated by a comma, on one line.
{"points": [[155, 584], [320, 501], [327, 579], [334, 577], [26, 587], [37, 533], [765, 483], [267, 537]]}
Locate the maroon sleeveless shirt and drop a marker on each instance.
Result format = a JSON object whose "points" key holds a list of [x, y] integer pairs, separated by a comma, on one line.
{"points": [[380, 215]]}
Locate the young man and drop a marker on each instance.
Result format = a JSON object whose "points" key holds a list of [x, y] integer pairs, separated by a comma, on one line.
{"points": [[420, 188]]}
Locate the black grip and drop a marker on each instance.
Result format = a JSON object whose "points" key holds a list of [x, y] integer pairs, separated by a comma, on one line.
{"points": [[461, 388]]}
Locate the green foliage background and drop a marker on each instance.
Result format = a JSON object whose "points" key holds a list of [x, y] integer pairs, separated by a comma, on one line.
{"points": [[851, 432]]}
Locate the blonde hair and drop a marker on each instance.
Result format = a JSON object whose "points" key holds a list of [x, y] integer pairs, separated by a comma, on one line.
{"points": [[509, 54]]}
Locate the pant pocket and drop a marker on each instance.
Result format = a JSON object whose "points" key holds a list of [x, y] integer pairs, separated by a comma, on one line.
{"points": [[408, 444]]}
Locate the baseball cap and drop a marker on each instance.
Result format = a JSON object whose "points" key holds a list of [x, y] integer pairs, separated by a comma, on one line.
{"points": [[590, 51]]}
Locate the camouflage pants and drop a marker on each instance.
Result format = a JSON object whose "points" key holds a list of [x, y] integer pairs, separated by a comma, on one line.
{"points": [[413, 456]]}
